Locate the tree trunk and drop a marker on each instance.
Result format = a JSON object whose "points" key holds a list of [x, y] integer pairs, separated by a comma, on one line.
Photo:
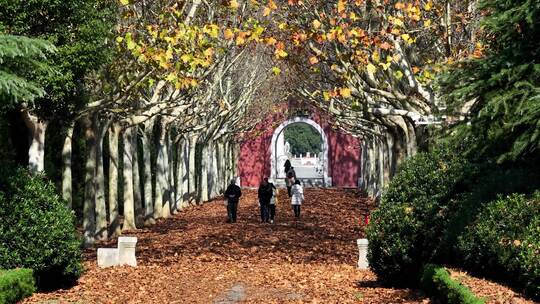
{"points": [[170, 174], [165, 185], [89, 216], [129, 204], [67, 181], [114, 137], [36, 152], [203, 180], [147, 159], [184, 153], [179, 181], [191, 168], [101, 207], [161, 179], [137, 195]]}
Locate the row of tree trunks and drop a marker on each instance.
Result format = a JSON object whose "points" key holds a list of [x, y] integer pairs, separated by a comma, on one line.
{"points": [[181, 178], [381, 156], [177, 184]]}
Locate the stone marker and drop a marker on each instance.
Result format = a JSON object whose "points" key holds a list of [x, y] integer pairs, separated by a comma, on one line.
{"points": [[126, 251], [362, 253], [107, 257]]}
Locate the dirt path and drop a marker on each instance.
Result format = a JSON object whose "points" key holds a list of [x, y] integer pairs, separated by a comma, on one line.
{"points": [[195, 257]]}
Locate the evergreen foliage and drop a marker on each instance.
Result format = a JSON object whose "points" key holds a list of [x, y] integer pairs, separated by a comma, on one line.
{"points": [[80, 30], [303, 138], [16, 285], [437, 282], [503, 242], [37, 231], [504, 122], [410, 225], [20, 53]]}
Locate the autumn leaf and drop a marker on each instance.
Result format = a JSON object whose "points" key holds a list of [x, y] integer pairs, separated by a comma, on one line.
{"points": [[234, 4], [313, 60], [228, 34], [371, 68], [385, 46], [345, 92], [276, 71], [341, 6], [316, 24]]}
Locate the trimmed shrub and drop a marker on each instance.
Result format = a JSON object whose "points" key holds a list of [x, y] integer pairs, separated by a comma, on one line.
{"points": [[438, 284], [504, 241], [16, 285], [37, 231], [409, 227]]}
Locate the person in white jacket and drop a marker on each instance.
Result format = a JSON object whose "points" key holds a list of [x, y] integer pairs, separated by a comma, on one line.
{"points": [[297, 197]]}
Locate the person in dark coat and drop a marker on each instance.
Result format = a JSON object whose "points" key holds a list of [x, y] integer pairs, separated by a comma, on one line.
{"points": [[232, 195], [290, 180], [287, 166], [265, 196]]}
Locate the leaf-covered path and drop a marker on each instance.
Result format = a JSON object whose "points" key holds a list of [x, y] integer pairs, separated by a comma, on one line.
{"points": [[195, 257]]}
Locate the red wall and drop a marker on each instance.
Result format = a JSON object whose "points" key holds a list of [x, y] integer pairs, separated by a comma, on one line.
{"points": [[255, 154]]}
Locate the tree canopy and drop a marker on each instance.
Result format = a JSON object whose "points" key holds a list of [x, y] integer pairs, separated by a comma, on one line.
{"points": [[303, 138]]}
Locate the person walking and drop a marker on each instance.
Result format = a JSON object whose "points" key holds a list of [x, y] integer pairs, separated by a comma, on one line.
{"points": [[265, 196], [289, 180], [273, 203], [297, 198], [232, 195], [287, 166]]}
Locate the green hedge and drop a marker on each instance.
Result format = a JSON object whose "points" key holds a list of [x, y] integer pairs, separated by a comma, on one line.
{"points": [[438, 284], [408, 228], [504, 242], [16, 285], [37, 231]]}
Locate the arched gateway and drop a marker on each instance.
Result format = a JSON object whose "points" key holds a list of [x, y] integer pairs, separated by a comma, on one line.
{"points": [[279, 156], [260, 153]]}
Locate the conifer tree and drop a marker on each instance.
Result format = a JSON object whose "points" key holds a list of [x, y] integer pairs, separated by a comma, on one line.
{"points": [[498, 91]]}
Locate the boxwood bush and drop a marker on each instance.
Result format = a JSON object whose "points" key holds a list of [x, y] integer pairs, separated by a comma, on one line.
{"points": [[409, 226], [16, 285], [504, 241], [37, 231], [438, 284]]}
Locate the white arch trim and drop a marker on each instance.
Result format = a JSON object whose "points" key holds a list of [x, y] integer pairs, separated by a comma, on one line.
{"points": [[327, 181]]}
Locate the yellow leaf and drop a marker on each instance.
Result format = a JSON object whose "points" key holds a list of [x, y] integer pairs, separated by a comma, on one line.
{"points": [[276, 71], [124, 2], [228, 34], [326, 96], [398, 74], [371, 68], [316, 24], [234, 4], [385, 66], [345, 92], [271, 41], [281, 53], [427, 23]]}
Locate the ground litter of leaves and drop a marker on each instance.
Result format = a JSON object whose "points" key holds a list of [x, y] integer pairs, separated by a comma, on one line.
{"points": [[195, 257]]}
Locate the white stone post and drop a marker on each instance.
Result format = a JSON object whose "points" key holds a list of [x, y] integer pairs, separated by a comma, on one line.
{"points": [[126, 251], [107, 257], [362, 254]]}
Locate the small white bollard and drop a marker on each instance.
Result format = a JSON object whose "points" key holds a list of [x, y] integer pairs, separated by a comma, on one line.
{"points": [[107, 257], [126, 251], [362, 254]]}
